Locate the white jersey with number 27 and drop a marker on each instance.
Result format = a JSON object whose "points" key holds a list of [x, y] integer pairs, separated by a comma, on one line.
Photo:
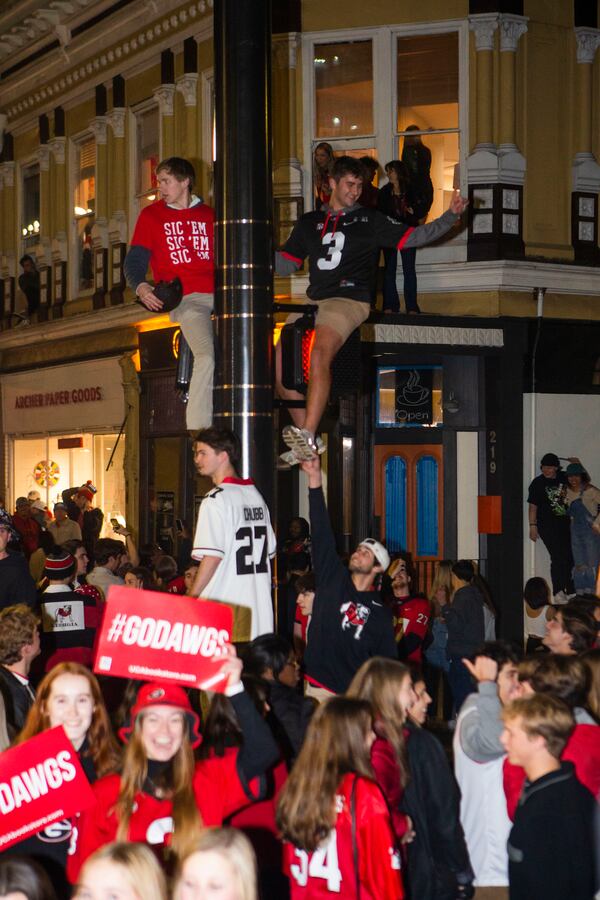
{"points": [[234, 525]]}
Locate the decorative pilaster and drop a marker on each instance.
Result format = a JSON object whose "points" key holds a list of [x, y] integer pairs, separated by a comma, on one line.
{"points": [[287, 169], [165, 97], [585, 168], [496, 171]]}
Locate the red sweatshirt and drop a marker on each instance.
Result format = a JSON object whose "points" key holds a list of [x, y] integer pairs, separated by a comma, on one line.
{"points": [[181, 242]]}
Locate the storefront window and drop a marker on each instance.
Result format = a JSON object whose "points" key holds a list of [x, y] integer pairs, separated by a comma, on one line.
{"points": [[30, 209], [344, 89], [50, 465], [147, 154], [84, 208], [409, 397], [427, 116]]}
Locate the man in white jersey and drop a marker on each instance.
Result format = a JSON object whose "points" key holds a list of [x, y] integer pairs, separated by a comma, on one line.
{"points": [[478, 762], [234, 539]]}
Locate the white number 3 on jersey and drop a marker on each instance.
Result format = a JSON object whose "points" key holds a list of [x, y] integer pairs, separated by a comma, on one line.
{"points": [[323, 864], [334, 251]]}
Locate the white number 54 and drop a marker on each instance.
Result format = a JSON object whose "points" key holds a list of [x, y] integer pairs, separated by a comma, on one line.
{"points": [[323, 864]]}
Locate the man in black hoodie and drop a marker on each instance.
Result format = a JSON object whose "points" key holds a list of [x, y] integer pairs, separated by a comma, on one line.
{"points": [[349, 623], [16, 584], [551, 846]]}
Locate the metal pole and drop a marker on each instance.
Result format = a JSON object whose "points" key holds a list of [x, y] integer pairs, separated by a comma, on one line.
{"points": [[243, 395]]}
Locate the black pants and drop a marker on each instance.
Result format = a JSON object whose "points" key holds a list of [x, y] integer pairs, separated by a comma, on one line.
{"points": [[556, 536]]}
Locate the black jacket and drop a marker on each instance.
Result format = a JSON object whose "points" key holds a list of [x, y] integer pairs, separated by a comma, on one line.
{"points": [[17, 700], [465, 621], [292, 713], [16, 584], [551, 845], [438, 859], [347, 626]]}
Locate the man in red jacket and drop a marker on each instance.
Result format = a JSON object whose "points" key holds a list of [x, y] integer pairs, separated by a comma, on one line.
{"points": [[174, 236]]}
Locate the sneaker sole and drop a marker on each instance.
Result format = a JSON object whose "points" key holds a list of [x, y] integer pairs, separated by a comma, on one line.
{"points": [[295, 440]]}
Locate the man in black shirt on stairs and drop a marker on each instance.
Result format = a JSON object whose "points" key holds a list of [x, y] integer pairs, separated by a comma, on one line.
{"points": [[349, 623], [342, 241]]}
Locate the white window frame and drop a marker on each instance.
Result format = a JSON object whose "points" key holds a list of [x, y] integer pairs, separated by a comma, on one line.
{"points": [[134, 112], [73, 173], [384, 48]]}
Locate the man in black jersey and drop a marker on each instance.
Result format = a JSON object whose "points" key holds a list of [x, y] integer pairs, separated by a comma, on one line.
{"points": [[342, 242]]}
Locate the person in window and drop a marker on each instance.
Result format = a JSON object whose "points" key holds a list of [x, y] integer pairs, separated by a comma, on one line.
{"points": [[416, 156], [369, 192], [29, 282], [549, 520], [583, 499], [395, 200], [322, 162]]}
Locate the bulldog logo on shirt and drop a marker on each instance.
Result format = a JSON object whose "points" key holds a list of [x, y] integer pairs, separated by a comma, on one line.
{"points": [[355, 616]]}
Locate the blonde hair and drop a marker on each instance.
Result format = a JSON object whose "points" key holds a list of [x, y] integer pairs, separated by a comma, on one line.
{"points": [[187, 821], [545, 716], [378, 681], [335, 745], [235, 847], [442, 581], [137, 864]]}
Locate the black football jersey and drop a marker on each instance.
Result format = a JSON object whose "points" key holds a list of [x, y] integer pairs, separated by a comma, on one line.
{"points": [[343, 248]]}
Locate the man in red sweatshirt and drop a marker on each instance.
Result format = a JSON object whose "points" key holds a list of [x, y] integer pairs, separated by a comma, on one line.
{"points": [[174, 236]]}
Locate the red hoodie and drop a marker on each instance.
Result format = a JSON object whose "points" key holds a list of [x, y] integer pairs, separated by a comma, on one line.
{"points": [[583, 750]]}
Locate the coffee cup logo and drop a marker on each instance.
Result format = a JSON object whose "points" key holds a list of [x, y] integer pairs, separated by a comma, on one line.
{"points": [[414, 393]]}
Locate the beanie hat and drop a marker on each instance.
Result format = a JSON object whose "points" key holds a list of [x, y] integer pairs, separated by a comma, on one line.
{"points": [[550, 459], [163, 694], [59, 565], [87, 490], [575, 469], [378, 550]]}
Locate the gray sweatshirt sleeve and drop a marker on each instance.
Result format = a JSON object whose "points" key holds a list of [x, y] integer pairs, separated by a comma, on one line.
{"points": [[135, 265], [481, 729], [427, 234], [284, 265]]}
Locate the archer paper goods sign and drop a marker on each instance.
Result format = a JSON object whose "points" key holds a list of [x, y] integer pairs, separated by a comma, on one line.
{"points": [[41, 782], [163, 637]]}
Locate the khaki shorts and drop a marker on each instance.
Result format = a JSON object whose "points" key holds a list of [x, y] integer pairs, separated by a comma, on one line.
{"points": [[338, 313]]}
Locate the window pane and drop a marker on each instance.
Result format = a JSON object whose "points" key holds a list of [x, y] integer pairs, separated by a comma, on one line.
{"points": [[147, 149], [428, 81], [344, 89], [395, 504], [427, 506], [85, 205], [30, 227]]}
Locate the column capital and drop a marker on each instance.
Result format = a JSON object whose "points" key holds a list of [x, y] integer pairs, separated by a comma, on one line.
{"points": [[7, 171], [483, 26], [285, 50], [187, 85], [165, 95], [588, 41], [117, 121], [511, 29], [43, 155], [57, 146], [98, 127]]}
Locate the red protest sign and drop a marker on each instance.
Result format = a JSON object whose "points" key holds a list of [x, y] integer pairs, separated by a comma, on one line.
{"points": [[41, 781], [163, 637]]}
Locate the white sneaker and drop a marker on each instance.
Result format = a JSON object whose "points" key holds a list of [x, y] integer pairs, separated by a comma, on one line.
{"points": [[303, 444], [560, 598], [286, 461]]}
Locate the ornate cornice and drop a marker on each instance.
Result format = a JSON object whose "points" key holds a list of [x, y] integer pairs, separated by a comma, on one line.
{"points": [[187, 85], [588, 41], [432, 334], [511, 29], [99, 129], [120, 54], [483, 26]]}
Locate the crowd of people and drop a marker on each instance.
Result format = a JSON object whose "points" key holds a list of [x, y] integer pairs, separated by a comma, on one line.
{"points": [[317, 772]]}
